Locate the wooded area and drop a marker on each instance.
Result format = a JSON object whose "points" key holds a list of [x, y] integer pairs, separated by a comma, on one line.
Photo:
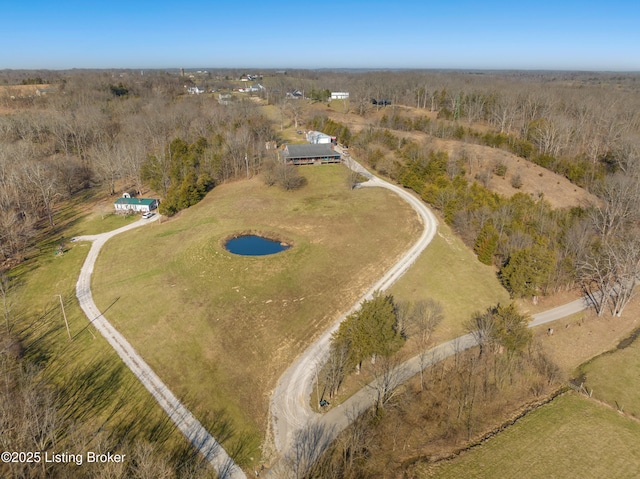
{"points": [[89, 133]]}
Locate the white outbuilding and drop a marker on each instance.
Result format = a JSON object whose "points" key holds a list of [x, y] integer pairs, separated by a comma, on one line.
{"points": [[319, 138], [135, 205]]}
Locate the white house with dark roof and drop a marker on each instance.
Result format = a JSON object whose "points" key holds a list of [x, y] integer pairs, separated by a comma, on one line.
{"points": [[135, 205]]}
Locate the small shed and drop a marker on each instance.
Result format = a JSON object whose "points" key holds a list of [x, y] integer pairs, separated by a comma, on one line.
{"points": [[309, 154], [339, 95], [135, 205], [317, 137]]}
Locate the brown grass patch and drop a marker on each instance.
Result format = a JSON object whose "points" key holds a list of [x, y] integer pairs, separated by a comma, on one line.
{"points": [[580, 337]]}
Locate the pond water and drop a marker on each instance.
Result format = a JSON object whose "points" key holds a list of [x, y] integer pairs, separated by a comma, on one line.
{"points": [[252, 245]]}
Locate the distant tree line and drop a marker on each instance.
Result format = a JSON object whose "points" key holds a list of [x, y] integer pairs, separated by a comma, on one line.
{"points": [[136, 132], [33, 81]]}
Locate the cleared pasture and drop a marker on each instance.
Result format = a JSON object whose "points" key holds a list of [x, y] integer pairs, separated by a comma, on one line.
{"points": [[450, 273], [219, 328], [571, 436], [614, 378], [94, 389]]}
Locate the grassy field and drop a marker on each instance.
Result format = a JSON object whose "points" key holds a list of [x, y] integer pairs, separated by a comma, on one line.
{"points": [[614, 378], [220, 328], [570, 437], [450, 273], [94, 387]]}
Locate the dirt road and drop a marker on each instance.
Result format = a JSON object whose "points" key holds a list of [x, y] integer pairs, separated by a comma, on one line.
{"points": [[197, 435]]}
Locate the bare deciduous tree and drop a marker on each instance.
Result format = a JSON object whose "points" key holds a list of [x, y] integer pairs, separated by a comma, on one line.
{"points": [[44, 181], [308, 445], [336, 368], [619, 195], [388, 374], [107, 162], [425, 317]]}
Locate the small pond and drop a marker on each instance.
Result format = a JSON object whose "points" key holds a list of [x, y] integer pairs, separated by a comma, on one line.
{"points": [[253, 245]]}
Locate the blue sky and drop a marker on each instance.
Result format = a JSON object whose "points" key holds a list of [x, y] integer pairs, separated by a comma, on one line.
{"points": [[566, 35]]}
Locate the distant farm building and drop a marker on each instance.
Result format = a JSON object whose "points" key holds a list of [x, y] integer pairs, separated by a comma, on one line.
{"points": [[126, 204], [339, 95], [253, 88], [295, 94], [225, 98], [47, 91], [319, 138], [309, 154]]}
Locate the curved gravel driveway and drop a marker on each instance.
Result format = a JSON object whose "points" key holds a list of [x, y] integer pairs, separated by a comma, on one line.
{"points": [[197, 435], [290, 404], [290, 409]]}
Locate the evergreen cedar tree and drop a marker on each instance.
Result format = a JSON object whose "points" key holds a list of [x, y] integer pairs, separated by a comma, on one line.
{"points": [[180, 174], [370, 331]]}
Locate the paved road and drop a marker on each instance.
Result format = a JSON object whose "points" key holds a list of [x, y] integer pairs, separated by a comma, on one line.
{"points": [[337, 419], [560, 312], [180, 415], [289, 408]]}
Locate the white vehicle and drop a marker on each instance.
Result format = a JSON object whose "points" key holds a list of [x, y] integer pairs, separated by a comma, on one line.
{"points": [[148, 214]]}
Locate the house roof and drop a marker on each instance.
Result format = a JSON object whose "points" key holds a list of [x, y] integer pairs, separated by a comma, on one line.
{"points": [[134, 201], [310, 151]]}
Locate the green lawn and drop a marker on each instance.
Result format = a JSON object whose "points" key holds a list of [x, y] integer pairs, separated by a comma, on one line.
{"points": [[570, 437], [101, 222], [93, 386], [450, 273], [219, 329], [615, 378]]}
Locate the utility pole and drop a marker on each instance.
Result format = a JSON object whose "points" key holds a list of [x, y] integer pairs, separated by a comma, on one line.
{"points": [[65, 316]]}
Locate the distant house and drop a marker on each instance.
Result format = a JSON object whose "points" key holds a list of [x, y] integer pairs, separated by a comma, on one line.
{"points": [[309, 154], [339, 95], [252, 88], [135, 205], [47, 91], [194, 90], [296, 94], [225, 98], [251, 77]]}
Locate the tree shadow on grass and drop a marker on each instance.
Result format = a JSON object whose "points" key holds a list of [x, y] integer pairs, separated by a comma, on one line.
{"points": [[40, 334], [240, 445]]}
